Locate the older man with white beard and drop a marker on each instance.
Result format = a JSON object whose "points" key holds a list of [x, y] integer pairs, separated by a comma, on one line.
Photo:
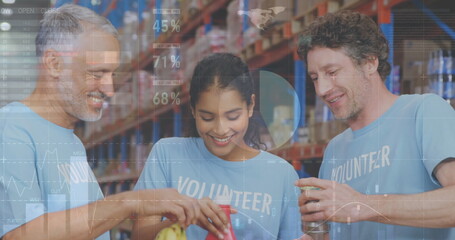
{"points": [[47, 189]]}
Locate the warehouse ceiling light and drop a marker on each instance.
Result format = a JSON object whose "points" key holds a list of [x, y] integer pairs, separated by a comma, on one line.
{"points": [[5, 26], [6, 11], [8, 1]]}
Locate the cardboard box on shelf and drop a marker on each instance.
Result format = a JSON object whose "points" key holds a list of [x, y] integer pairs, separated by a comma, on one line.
{"points": [[281, 129], [320, 128], [323, 132]]}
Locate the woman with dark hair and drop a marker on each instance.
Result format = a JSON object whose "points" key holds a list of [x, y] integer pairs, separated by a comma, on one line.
{"points": [[226, 71], [224, 158]]}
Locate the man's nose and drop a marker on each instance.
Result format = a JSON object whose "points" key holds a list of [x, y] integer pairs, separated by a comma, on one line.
{"points": [[107, 85], [323, 85]]}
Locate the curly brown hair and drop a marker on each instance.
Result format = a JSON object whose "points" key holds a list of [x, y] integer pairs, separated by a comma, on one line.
{"points": [[354, 32]]}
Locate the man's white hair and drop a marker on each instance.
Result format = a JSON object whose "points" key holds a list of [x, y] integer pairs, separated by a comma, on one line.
{"points": [[60, 26]]}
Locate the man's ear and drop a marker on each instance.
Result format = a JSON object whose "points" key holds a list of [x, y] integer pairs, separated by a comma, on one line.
{"points": [[371, 64], [251, 107], [53, 62]]}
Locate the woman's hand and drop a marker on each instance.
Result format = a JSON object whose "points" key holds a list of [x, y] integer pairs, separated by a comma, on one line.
{"points": [[213, 218], [169, 203]]}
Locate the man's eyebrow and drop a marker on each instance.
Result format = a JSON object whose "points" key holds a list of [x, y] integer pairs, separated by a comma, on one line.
{"points": [[325, 67], [100, 69]]}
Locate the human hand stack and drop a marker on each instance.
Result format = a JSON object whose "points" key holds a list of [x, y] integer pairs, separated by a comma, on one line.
{"points": [[174, 232]]}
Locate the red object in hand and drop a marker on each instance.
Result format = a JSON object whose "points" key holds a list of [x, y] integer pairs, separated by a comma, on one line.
{"points": [[227, 210]]}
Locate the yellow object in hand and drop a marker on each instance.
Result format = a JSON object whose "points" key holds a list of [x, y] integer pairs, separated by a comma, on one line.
{"points": [[174, 232]]}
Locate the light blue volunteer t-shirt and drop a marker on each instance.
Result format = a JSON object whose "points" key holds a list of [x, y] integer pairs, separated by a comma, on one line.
{"points": [[43, 168], [396, 154], [261, 189]]}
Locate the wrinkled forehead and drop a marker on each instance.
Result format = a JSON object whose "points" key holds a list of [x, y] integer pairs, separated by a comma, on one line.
{"points": [[102, 57]]}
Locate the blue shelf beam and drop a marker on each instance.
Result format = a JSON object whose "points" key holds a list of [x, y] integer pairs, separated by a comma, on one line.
{"points": [[300, 89]]}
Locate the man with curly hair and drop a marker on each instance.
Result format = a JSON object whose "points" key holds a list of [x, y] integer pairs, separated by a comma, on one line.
{"points": [[390, 174]]}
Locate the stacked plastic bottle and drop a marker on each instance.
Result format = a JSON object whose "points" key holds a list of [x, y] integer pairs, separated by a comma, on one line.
{"points": [[441, 71]]}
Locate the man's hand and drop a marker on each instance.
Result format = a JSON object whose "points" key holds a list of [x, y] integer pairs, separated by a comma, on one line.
{"points": [[333, 202], [213, 218], [168, 203]]}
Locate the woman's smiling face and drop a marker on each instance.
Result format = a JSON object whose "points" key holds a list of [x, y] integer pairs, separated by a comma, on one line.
{"points": [[222, 121]]}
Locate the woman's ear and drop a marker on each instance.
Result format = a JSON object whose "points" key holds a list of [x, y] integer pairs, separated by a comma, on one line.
{"points": [[251, 107]]}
